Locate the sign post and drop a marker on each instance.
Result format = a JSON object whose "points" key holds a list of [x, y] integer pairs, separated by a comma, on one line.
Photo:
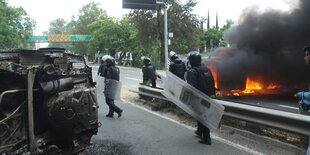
{"points": [[151, 5]]}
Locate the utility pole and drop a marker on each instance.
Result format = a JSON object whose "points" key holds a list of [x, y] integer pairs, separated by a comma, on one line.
{"points": [[165, 32], [217, 21], [151, 5], [208, 22]]}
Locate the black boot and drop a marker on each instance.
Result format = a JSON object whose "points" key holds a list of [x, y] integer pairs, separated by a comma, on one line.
{"points": [[120, 113], [206, 139], [109, 115]]}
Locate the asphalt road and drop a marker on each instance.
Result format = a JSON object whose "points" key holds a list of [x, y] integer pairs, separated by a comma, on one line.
{"points": [[140, 131]]}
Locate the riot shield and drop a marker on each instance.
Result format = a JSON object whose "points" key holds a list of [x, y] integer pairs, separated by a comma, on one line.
{"points": [[194, 102], [112, 89], [99, 84]]}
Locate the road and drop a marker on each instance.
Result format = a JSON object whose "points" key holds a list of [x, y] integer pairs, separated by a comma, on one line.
{"points": [[140, 131]]}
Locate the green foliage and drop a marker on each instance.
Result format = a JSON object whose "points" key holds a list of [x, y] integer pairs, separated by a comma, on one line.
{"points": [[88, 14], [214, 37], [58, 26], [112, 35], [185, 26], [15, 25], [181, 21]]}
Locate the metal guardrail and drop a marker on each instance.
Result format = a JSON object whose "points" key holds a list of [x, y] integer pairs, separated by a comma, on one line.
{"points": [[295, 123]]}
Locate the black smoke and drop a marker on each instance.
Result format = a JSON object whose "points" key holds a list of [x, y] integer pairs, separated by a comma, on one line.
{"points": [[268, 44]]}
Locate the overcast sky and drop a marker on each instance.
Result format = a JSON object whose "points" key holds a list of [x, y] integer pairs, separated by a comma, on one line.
{"points": [[44, 11]]}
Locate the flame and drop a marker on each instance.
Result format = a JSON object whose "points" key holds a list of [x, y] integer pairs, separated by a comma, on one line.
{"points": [[252, 85], [214, 74], [273, 86]]}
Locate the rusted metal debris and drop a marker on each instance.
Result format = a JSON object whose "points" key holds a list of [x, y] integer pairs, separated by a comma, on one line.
{"points": [[48, 102]]}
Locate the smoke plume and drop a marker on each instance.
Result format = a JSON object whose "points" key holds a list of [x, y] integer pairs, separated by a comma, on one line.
{"points": [[269, 44]]}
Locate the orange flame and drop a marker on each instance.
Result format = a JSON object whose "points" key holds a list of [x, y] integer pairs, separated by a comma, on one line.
{"points": [[214, 74], [254, 84]]}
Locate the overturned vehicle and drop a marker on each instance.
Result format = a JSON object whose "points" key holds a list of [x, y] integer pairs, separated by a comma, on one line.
{"points": [[48, 102]]}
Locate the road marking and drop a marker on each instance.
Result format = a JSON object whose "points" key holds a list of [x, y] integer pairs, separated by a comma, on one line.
{"points": [[131, 71], [133, 79], [290, 107], [233, 144]]}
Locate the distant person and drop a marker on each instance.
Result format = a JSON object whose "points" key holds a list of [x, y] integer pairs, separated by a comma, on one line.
{"points": [[176, 66], [111, 72], [149, 72], [304, 103], [200, 77]]}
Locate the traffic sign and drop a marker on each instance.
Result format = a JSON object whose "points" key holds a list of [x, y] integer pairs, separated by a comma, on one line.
{"points": [[59, 38], [37, 38], [140, 4]]}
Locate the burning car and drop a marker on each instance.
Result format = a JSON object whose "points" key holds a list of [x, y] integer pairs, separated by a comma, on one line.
{"points": [[48, 102], [243, 72]]}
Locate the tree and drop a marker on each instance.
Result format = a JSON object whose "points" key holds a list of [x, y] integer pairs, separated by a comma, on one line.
{"points": [[181, 21], [185, 25], [113, 36], [214, 36], [227, 25], [88, 14], [15, 25], [58, 26]]}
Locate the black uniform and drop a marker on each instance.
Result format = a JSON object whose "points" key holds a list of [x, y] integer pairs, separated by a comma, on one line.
{"points": [[112, 72], [178, 68], [149, 74], [101, 69], [193, 79]]}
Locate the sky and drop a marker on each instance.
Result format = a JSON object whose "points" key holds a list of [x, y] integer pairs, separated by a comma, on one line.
{"points": [[44, 11]]}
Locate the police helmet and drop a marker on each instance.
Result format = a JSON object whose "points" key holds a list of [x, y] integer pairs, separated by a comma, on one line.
{"points": [[194, 58], [104, 57], [173, 56], [172, 53], [109, 60], [146, 60]]}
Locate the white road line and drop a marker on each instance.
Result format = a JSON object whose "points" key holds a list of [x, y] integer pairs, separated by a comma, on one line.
{"points": [[131, 71], [290, 107], [133, 79], [233, 144]]}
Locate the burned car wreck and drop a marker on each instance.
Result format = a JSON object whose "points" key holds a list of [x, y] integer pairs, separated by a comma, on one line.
{"points": [[48, 102]]}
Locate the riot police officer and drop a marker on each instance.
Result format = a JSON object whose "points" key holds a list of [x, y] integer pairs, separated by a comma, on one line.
{"points": [[304, 96], [176, 66], [102, 66], [111, 72], [201, 78], [149, 72]]}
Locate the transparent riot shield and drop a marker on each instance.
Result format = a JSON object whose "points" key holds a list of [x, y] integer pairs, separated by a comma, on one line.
{"points": [[194, 102], [112, 89], [99, 84]]}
